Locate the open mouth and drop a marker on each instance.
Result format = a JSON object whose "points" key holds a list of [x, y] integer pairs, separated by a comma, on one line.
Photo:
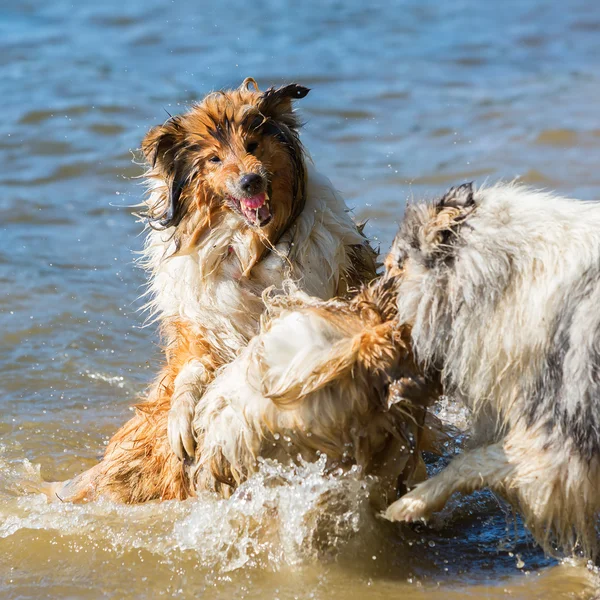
{"points": [[254, 209]]}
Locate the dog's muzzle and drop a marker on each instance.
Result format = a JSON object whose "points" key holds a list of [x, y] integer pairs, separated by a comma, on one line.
{"points": [[251, 199]]}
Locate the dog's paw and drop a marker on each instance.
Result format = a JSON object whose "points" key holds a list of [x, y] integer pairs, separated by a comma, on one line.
{"points": [[181, 415], [411, 507]]}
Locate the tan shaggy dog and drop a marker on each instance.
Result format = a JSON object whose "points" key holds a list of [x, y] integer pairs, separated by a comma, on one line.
{"points": [[322, 377], [235, 207]]}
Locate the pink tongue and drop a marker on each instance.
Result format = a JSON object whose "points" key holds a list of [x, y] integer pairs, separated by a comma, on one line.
{"points": [[253, 202]]}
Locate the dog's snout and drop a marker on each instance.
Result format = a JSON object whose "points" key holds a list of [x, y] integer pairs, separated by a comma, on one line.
{"points": [[251, 183]]}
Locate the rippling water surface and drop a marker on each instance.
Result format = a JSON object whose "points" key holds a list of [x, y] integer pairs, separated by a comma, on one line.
{"points": [[407, 98]]}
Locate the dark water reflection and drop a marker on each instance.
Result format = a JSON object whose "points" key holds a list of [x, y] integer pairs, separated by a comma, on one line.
{"points": [[407, 98]]}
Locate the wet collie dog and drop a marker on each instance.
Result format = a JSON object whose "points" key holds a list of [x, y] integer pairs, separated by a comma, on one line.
{"points": [[335, 378], [235, 207], [501, 286]]}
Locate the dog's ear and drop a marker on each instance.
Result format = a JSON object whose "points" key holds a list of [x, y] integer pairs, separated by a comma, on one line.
{"points": [[441, 231], [277, 102], [460, 197], [162, 148], [160, 141]]}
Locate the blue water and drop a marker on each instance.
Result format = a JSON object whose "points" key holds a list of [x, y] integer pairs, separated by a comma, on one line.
{"points": [[407, 99]]}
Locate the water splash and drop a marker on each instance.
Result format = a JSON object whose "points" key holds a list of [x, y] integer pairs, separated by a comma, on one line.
{"points": [[284, 515], [453, 413]]}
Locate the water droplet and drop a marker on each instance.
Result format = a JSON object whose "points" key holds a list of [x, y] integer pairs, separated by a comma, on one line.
{"points": [[520, 563]]}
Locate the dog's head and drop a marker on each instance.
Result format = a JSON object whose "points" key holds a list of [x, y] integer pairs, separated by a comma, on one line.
{"points": [[429, 231], [421, 261], [235, 154]]}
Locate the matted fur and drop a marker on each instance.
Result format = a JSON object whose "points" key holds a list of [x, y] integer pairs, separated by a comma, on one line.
{"points": [[334, 377], [208, 265], [501, 286]]}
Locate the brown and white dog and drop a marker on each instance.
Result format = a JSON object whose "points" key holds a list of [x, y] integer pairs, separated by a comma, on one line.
{"points": [[235, 207]]}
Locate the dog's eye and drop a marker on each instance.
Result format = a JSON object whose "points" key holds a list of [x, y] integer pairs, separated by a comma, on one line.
{"points": [[214, 159], [251, 147]]}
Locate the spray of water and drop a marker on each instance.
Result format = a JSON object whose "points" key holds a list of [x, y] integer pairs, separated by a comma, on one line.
{"points": [[284, 515]]}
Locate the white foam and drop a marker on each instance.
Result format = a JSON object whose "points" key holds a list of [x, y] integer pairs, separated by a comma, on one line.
{"points": [[281, 516]]}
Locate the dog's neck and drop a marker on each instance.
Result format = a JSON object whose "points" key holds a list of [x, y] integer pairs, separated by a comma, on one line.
{"points": [[207, 290]]}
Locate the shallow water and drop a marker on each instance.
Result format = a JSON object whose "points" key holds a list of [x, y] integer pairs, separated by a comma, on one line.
{"points": [[407, 98]]}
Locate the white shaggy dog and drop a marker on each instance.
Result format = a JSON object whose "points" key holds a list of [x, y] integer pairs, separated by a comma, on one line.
{"points": [[501, 286]]}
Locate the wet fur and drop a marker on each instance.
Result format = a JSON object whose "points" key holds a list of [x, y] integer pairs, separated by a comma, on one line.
{"points": [[501, 286], [334, 377], [208, 268]]}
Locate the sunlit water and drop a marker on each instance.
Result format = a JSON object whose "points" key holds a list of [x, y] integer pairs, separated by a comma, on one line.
{"points": [[407, 98]]}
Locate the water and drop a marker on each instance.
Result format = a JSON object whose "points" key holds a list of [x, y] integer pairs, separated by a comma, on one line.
{"points": [[407, 98]]}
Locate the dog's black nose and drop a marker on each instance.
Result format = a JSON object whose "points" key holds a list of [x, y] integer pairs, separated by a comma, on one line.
{"points": [[251, 183]]}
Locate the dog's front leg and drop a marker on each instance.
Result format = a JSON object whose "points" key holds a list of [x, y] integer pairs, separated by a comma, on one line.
{"points": [[187, 390], [487, 466]]}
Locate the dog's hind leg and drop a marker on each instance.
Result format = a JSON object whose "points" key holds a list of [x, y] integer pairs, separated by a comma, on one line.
{"points": [[487, 466]]}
